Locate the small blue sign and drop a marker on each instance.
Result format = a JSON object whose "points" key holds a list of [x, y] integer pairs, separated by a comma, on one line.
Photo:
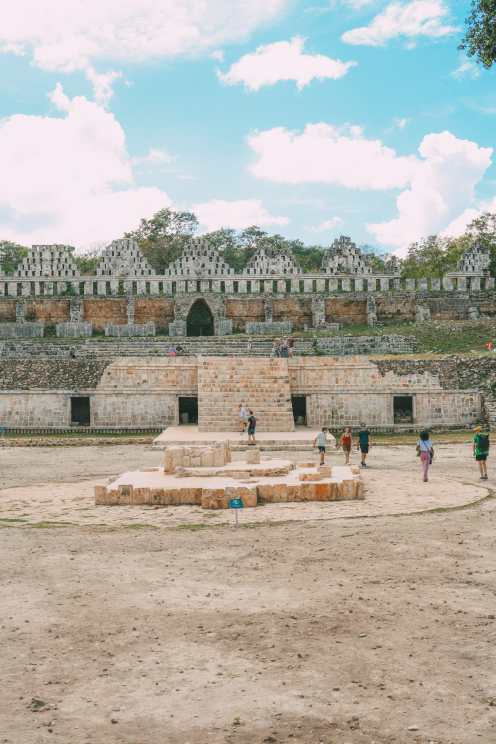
{"points": [[236, 504]]}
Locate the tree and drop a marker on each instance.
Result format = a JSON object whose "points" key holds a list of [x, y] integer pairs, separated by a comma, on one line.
{"points": [[11, 255], [432, 257], [163, 238], [480, 37], [86, 262]]}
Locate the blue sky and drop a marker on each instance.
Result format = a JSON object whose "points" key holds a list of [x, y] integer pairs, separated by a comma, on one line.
{"points": [[195, 118]]}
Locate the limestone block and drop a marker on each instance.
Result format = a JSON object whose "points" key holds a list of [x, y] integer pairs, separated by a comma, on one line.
{"points": [[219, 457], [253, 457], [207, 458], [100, 495], [112, 497], [307, 492], [248, 494], [214, 498], [307, 464], [316, 476], [323, 491], [348, 489], [173, 458], [137, 496], [272, 493], [125, 494], [325, 471]]}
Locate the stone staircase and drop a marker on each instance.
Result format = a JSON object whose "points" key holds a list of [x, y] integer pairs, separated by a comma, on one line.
{"points": [[260, 383]]}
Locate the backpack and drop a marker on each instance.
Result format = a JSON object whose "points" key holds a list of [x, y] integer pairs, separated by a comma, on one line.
{"points": [[483, 443]]}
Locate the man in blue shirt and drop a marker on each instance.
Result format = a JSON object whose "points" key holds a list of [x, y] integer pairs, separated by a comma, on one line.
{"points": [[363, 443]]}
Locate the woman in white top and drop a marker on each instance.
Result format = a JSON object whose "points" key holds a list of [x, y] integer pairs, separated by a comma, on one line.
{"points": [[426, 452]]}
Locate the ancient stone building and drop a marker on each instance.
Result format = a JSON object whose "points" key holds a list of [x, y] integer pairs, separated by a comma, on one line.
{"points": [[267, 261], [343, 257], [199, 259], [52, 261], [123, 258], [475, 260]]}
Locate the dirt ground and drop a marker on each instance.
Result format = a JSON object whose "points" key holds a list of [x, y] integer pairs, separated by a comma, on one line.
{"points": [[364, 628]]}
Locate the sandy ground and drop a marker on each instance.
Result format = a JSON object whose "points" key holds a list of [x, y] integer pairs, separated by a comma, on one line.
{"points": [[324, 626]]}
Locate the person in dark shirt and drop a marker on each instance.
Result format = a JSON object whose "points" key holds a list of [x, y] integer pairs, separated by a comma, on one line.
{"points": [[252, 425], [363, 443]]}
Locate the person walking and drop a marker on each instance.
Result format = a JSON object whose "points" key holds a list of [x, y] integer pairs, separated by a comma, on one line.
{"points": [[243, 418], [291, 343], [481, 450], [284, 350], [320, 441], [425, 451], [363, 444], [345, 444], [275, 349], [252, 425]]}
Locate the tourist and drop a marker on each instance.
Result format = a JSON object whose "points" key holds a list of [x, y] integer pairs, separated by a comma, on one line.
{"points": [[320, 441], [425, 451], [249, 346], [172, 351], [489, 346], [284, 350], [345, 443], [291, 343], [252, 425], [481, 450], [275, 348], [363, 444], [243, 418]]}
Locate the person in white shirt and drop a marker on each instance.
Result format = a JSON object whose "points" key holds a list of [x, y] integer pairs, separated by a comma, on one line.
{"points": [[244, 414], [320, 441]]}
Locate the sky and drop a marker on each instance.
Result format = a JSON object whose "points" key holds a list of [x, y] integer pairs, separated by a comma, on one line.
{"points": [[310, 119]]}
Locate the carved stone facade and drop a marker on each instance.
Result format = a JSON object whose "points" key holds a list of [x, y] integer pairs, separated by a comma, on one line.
{"points": [[344, 257], [199, 259], [266, 262], [54, 261], [475, 260], [123, 258]]}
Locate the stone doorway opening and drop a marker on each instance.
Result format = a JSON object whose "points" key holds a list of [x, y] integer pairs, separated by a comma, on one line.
{"points": [[299, 404], [403, 409], [188, 411], [200, 321], [80, 411]]}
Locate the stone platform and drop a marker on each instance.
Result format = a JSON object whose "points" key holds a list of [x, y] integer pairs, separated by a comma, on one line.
{"points": [[300, 440], [213, 486]]}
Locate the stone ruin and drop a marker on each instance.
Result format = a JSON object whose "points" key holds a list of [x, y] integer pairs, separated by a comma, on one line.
{"points": [[344, 257], [123, 258], [269, 261], [207, 477], [475, 260], [48, 261], [199, 258]]}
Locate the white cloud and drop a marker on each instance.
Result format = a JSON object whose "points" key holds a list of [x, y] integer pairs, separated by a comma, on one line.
{"points": [[154, 157], [70, 176], [72, 35], [323, 153], [239, 214], [283, 60], [329, 224], [411, 19], [102, 83], [401, 122], [467, 68], [441, 192]]}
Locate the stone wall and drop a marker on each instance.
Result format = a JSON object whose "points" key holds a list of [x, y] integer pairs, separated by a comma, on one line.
{"points": [[48, 311], [244, 311], [295, 310], [346, 311], [7, 311], [102, 312], [160, 312]]}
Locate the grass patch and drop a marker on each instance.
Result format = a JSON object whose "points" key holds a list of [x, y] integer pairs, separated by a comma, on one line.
{"points": [[13, 520], [140, 526], [49, 525], [194, 526]]}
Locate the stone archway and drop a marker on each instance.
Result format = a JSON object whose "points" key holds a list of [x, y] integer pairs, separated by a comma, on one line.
{"points": [[200, 321]]}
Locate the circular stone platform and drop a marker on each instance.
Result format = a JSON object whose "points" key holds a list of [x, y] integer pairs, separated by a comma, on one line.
{"points": [[388, 493]]}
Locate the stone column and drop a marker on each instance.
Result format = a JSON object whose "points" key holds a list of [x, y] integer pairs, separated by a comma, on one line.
{"points": [[475, 284], [346, 285], [318, 312], [422, 314], [130, 310], [75, 310], [20, 312], [268, 309], [371, 310]]}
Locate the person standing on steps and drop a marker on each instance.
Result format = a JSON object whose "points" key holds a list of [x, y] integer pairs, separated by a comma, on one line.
{"points": [[481, 450], [345, 443], [252, 425], [425, 451], [320, 441], [363, 444], [243, 418]]}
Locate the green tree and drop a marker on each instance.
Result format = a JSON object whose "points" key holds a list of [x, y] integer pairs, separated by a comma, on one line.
{"points": [[480, 36], [11, 255], [164, 236], [86, 262], [431, 257]]}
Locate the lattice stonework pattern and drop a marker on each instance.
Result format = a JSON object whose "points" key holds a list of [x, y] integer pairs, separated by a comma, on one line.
{"points": [[199, 259], [266, 262], [123, 258], [475, 260], [48, 261], [344, 257]]}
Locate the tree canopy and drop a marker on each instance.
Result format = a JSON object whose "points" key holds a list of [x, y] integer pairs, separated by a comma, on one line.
{"points": [[480, 36]]}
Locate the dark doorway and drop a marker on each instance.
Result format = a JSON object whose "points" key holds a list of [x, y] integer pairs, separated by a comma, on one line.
{"points": [[188, 410], [299, 403], [200, 321], [403, 409], [80, 411]]}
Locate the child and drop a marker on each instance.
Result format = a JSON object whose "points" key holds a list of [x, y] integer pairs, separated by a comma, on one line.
{"points": [[345, 444], [426, 452], [481, 451], [320, 442]]}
